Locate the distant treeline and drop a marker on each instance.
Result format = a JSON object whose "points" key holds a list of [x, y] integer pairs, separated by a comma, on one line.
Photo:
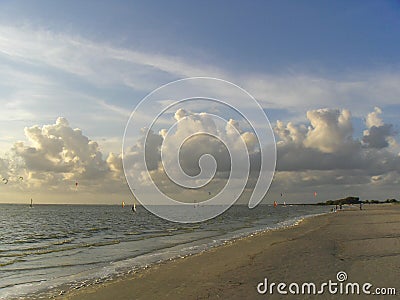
{"points": [[355, 200]]}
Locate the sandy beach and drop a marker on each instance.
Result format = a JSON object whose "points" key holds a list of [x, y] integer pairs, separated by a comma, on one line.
{"points": [[363, 244]]}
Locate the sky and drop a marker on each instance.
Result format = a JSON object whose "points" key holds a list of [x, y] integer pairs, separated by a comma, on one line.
{"points": [[326, 73]]}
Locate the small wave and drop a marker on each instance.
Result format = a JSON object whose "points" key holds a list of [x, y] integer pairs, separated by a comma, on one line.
{"points": [[19, 284], [190, 228], [20, 251], [99, 244], [48, 267], [149, 231], [47, 250], [37, 238], [151, 236], [133, 233], [172, 229], [98, 229], [11, 262], [62, 242], [13, 255]]}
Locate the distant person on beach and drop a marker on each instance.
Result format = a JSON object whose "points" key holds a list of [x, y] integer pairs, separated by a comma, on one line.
{"points": [[360, 205], [340, 206]]}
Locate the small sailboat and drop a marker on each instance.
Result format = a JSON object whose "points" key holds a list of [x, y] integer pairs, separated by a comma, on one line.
{"points": [[31, 205], [275, 204], [123, 204], [134, 207]]}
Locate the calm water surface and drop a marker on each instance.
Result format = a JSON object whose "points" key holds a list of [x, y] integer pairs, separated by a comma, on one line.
{"points": [[49, 249]]}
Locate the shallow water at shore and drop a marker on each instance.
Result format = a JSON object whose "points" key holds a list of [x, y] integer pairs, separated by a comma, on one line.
{"points": [[50, 249]]}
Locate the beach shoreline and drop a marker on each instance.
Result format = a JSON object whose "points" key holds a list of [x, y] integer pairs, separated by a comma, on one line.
{"points": [[364, 244], [105, 244]]}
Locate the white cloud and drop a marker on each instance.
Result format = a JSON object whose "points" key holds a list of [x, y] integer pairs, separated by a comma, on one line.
{"points": [[98, 63], [378, 135], [185, 144], [44, 74], [40, 69], [327, 154], [57, 152], [299, 92], [57, 155], [330, 130], [105, 65], [114, 162], [373, 118]]}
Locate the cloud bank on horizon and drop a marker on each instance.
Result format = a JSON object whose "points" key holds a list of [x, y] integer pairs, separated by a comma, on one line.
{"points": [[328, 85], [320, 154]]}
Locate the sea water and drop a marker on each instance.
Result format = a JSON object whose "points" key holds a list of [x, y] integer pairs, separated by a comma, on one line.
{"points": [[50, 249]]}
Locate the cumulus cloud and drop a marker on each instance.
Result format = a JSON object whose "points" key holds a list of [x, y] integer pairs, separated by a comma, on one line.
{"points": [[114, 162], [321, 152], [378, 135], [60, 149], [3, 168], [183, 153], [373, 118], [330, 130], [56, 154], [290, 133], [326, 143], [326, 153]]}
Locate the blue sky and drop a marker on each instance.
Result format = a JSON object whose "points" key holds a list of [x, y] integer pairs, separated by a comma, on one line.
{"points": [[261, 35], [92, 62]]}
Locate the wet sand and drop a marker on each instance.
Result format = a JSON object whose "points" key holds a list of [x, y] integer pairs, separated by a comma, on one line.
{"points": [[364, 244]]}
